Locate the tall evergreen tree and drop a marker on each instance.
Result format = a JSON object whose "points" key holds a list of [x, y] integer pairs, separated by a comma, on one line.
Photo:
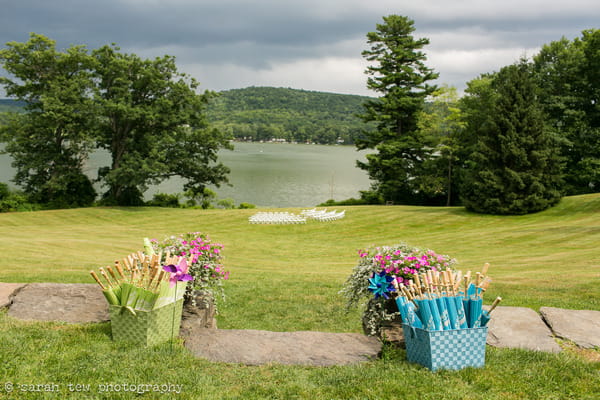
{"points": [[514, 167], [400, 75], [567, 72]]}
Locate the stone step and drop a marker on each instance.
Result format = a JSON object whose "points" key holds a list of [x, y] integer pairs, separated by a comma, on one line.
{"points": [[255, 347], [7, 290], [522, 328], [579, 326], [65, 302]]}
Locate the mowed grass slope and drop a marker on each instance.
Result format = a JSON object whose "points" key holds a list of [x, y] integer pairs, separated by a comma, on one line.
{"points": [[287, 277]]}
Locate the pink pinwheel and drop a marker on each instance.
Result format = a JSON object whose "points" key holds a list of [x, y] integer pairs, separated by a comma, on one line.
{"points": [[178, 272]]}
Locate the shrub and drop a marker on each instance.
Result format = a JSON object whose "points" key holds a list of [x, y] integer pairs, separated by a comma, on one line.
{"points": [[228, 204], [14, 200], [164, 200], [348, 202]]}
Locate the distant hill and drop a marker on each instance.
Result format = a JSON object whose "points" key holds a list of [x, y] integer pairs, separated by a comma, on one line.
{"points": [[11, 105], [293, 115], [279, 114]]}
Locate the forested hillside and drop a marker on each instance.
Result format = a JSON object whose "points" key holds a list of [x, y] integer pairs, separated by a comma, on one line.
{"points": [[267, 113]]}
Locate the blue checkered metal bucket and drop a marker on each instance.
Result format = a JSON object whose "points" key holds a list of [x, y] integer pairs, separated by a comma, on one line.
{"points": [[451, 349]]}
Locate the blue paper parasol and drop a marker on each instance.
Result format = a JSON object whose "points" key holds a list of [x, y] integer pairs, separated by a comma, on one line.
{"points": [[424, 313], [444, 315], [452, 314]]}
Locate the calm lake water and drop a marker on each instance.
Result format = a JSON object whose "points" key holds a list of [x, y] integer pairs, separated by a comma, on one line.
{"points": [[270, 174]]}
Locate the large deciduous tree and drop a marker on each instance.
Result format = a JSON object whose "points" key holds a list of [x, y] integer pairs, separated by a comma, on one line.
{"points": [[153, 124], [145, 113], [514, 167], [51, 141], [397, 72]]}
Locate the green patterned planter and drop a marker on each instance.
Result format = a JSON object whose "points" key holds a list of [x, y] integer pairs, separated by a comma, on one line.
{"points": [[146, 327]]}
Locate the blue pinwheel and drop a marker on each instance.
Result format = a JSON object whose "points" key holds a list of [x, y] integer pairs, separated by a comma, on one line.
{"points": [[380, 284]]}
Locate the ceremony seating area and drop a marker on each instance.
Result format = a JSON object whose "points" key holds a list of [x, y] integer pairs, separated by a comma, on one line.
{"points": [[291, 218], [323, 215], [276, 218]]}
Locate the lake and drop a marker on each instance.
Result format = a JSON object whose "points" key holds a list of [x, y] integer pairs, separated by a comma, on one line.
{"points": [[270, 174]]}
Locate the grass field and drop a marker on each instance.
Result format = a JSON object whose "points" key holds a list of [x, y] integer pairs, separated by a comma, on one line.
{"points": [[286, 278]]}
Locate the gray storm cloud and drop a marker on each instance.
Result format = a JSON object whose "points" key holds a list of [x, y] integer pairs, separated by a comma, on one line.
{"points": [[307, 44]]}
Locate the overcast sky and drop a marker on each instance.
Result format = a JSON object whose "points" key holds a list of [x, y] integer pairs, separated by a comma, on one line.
{"points": [[308, 44]]}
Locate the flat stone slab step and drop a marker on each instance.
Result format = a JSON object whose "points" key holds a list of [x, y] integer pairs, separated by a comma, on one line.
{"points": [[254, 347], [520, 327], [7, 291], [72, 303], [579, 326]]}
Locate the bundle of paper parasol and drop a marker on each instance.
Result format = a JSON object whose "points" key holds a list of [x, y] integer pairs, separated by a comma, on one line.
{"points": [[434, 300], [141, 282]]}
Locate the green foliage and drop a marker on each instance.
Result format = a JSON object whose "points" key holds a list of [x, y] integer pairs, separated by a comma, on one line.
{"points": [[164, 200], [400, 75], [514, 166], [245, 206], [567, 72], [348, 202], [50, 142], [14, 200], [227, 203], [441, 122], [4, 191], [153, 124], [266, 113], [200, 197]]}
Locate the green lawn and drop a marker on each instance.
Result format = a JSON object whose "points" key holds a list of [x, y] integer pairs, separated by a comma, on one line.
{"points": [[286, 278]]}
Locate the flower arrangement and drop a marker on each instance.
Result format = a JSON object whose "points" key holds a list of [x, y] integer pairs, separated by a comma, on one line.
{"points": [[372, 280], [205, 262]]}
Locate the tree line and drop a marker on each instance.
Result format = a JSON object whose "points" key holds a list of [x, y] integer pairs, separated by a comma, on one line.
{"points": [[516, 142]]}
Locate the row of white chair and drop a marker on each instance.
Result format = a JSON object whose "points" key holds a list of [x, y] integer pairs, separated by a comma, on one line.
{"points": [[323, 215], [276, 218]]}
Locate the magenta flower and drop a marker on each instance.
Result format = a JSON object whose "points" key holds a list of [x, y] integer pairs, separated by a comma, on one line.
{"points": [[178, 272]]}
